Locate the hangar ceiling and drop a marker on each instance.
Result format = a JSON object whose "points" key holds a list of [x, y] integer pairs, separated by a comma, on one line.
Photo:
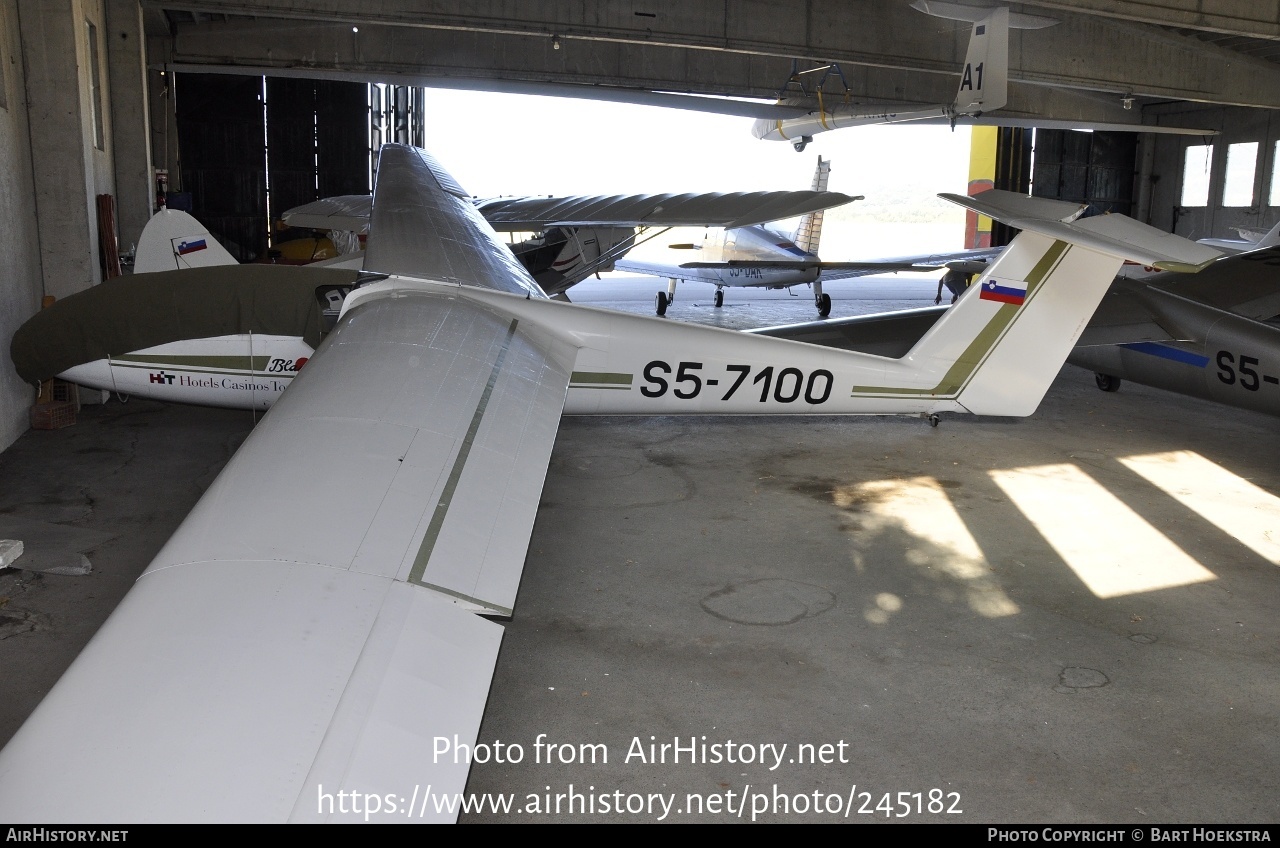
{"points": [[1099, 52]]}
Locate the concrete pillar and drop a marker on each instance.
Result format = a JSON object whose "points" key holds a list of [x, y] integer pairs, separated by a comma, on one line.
{"points": [[20, 280], [130, 118], [70, 132], [164, 125], [1146, 165]]}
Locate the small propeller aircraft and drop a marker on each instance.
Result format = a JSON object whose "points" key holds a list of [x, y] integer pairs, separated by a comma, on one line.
{"points": [[318, 621], [759, 256], [575, 237]]}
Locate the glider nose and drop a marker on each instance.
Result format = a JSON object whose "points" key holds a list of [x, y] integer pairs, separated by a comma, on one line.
{"points": [[767, 130]]}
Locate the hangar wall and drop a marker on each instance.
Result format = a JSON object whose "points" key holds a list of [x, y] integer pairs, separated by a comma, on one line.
{"points": [[71, 142], [20, 282], [57, 152], [1215, 219]]}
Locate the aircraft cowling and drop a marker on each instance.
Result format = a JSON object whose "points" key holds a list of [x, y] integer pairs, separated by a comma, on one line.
{"points": [[565, 256]]}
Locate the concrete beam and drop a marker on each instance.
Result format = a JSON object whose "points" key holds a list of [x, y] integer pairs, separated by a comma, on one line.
{"points": [[1254, 18], [714, 46], [865, 84]]}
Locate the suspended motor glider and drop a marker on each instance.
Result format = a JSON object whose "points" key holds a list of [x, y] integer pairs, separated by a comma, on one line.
{"points": [[981, 95], [983, 90], [317, 623]]}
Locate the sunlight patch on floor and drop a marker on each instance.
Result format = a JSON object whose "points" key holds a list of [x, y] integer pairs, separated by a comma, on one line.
{"points": [[1111, 548], [940, 539], [1236, 506]]}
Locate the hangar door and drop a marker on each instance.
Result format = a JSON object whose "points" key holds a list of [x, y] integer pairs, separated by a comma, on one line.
{"points": [[1095, 168], [251, 148]]}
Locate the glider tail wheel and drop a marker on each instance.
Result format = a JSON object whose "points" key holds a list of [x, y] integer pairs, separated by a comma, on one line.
{"points": [[719, 298], [824, 304], [662, 303], [1106, 382]]}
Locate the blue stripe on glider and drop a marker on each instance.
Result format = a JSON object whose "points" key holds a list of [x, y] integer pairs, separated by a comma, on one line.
{"points": [[1177, 355]]}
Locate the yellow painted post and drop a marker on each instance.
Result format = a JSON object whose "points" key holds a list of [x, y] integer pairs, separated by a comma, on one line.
{"points": [[982, 175]]}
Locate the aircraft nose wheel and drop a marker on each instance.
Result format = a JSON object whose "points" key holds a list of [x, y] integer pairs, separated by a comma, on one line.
{"points": [[662, 303], [719, 301], [1106, 382], [824, 305]]}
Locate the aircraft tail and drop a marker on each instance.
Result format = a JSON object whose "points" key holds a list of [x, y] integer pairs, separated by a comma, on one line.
{"points": [[809, 231], [994, 353], [172, 239], [998, 349], [984, 82], [1272, 237]]}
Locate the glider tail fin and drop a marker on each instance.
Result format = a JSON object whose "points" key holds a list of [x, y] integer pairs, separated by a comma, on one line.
{"points": [[997, 350], [1272, 237], [984, 81], [809, 231], [172, 240]]}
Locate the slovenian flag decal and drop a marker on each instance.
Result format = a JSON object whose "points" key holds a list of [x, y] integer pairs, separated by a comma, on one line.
{"points": [[1004, 291], [185, 247]]}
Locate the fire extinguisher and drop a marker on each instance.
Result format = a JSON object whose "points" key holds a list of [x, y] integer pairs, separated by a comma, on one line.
{"points": [[162, 188]]}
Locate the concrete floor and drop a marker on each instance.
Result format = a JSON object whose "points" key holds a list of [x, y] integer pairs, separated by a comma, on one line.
{"points": [[1007, 611]]}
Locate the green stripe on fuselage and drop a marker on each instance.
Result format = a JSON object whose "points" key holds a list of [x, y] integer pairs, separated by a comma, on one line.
{"points": [[243, 363], [600, 380], [966, 364]]}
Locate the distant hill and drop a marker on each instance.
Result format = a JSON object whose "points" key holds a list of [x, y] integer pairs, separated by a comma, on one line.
{"points": [[908, 204]]}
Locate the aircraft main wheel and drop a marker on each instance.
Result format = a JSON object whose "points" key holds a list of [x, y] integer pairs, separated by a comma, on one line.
{"points": [[662, 303], [1106, 382], [933, 419], [801, 143], [719, 299], [824, 305]]}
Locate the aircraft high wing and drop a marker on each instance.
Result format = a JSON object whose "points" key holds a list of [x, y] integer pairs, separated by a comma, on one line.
{"points": [[315, 625], [581, 235]]}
